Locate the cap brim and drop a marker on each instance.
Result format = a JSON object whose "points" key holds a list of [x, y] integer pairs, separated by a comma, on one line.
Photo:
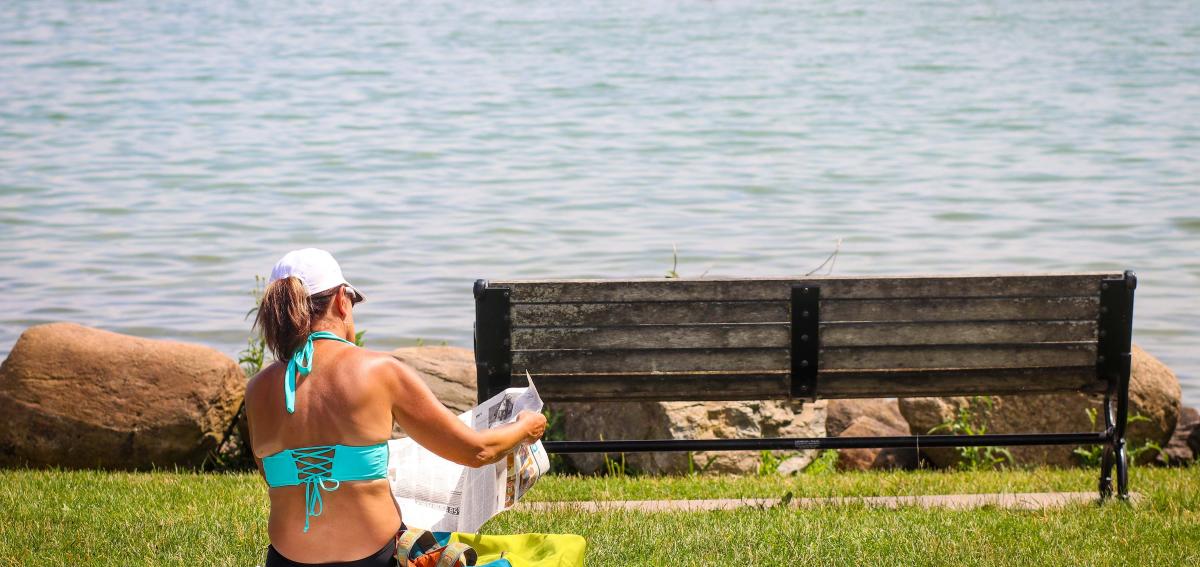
{"points": [[358, 294]]}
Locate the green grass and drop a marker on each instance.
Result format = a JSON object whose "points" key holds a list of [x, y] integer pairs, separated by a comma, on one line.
{"points": [[94, 518]]}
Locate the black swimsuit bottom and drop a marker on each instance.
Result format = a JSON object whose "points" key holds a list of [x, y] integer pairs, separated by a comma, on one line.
{"points": [[385, 557]]}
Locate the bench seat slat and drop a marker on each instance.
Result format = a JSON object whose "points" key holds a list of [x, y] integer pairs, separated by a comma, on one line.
{"points": [[585, 361], [779, 289], [955, 332], [1031, 355], [998, 381], [650, 360], [597, 314], [838, 384], [683, 387], [975, 309], [750, 335], [654, 336]]}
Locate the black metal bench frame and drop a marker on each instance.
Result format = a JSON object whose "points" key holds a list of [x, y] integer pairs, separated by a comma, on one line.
{"points": [[493, 355]]}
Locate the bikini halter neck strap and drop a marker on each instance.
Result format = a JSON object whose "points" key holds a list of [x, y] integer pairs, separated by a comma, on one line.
{"points": [[301, 364]]}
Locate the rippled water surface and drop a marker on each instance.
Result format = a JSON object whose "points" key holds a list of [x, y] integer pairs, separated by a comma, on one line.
{"points": [[155, 157]]}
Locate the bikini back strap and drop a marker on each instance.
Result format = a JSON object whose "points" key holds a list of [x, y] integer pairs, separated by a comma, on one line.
{"points": [[301, 365]]}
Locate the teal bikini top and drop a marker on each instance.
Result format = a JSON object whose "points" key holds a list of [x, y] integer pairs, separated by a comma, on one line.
{"points": [[322, 467]]}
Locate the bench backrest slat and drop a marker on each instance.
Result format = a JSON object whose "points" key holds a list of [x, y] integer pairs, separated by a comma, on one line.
{"points": [[879, 336], [779, 289]]}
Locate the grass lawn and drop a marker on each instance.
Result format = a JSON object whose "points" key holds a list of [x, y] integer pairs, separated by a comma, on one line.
{"points": [[93, 518]]}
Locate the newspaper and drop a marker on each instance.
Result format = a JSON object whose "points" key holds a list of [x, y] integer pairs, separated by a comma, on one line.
{"points": [[436, 494]]}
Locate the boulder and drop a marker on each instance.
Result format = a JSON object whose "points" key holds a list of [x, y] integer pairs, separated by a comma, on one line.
{"points": [[449, 372], [1154, 394], [1178, 452], [839, 414], [77, 397], [693, 420], [1193, 442], [866, 459]]}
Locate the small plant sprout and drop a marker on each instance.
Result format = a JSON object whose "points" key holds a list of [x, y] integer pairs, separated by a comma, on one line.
{"points": [[825, 463], [971, 419], [252, 357], [1090, 455], [768, 463]]}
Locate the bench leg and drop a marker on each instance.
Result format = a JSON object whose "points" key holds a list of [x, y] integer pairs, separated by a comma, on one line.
{"points": [[1122, 472], [1116, 415], [1122, 418], [1108, 454]]}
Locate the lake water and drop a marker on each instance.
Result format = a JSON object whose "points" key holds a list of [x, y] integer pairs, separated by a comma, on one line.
{"points": [[155, 156]]}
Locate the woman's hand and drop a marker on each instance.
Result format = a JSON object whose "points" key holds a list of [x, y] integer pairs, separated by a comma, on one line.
{"points": [[534, 425]]}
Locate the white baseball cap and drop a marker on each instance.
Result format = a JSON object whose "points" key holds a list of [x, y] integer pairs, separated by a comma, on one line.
{"points": [[315, 268]]}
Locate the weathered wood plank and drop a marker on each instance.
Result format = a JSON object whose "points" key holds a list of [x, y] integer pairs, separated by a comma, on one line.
{"points": [[681, 387], [959, 356], [751, 335], [955, 332], [834, 384], [841, 384], [975, 309], [597, 314], [831, 358], [649, 361], [779, 289], [997, 381], [654, 336]]}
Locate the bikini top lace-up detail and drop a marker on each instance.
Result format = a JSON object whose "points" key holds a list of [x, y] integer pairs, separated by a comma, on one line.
{"points": [[323, 467]]}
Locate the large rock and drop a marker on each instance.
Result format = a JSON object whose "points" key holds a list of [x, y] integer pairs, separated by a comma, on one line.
{"points": [[693, 420], [866, 459], [1153, 393], [77, 397], [1193, 442], [839, 414], [449, 372], [1177, 451]]}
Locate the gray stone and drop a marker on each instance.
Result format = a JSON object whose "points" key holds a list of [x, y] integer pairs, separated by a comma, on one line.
{"points": [[693, 420]]}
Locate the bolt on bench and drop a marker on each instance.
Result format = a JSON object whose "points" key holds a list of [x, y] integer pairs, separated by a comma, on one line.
{"points": [[815, 338]]}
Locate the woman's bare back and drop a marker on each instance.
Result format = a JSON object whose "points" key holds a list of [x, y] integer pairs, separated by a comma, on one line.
{"points": [[343, 401]]}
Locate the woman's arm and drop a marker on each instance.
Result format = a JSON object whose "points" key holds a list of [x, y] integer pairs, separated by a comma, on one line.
{"points": [[433, 426]]}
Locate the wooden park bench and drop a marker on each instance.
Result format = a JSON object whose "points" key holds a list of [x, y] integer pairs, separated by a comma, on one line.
{"points": [[814, 338]]}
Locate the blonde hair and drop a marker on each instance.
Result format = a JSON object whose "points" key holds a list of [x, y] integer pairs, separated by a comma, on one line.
{"points": [[286, 315]]}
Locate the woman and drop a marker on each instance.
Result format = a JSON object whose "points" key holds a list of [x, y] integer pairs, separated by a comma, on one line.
{"points": [[321, 415]]}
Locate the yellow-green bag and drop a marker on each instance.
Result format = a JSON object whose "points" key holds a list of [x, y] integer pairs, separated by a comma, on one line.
{"points": [[526, 550]]}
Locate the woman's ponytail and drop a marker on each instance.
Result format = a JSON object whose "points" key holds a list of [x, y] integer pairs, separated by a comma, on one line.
{"points": [[285, 316]]}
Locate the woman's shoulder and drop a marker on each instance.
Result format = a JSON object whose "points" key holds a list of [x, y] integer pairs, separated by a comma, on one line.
{"points": [[258, 384], [382, 367], [381, 363]]}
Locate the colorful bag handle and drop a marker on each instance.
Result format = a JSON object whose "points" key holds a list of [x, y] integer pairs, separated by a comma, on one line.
{"points": [[455, 552], [409, 539], [422, 541]]}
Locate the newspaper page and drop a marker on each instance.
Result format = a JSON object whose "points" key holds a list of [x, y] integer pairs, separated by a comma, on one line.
{"points": [[439, 495]]}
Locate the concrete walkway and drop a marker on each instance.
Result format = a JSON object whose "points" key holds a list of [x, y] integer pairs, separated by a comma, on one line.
{"points": [[1018, 501]]}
